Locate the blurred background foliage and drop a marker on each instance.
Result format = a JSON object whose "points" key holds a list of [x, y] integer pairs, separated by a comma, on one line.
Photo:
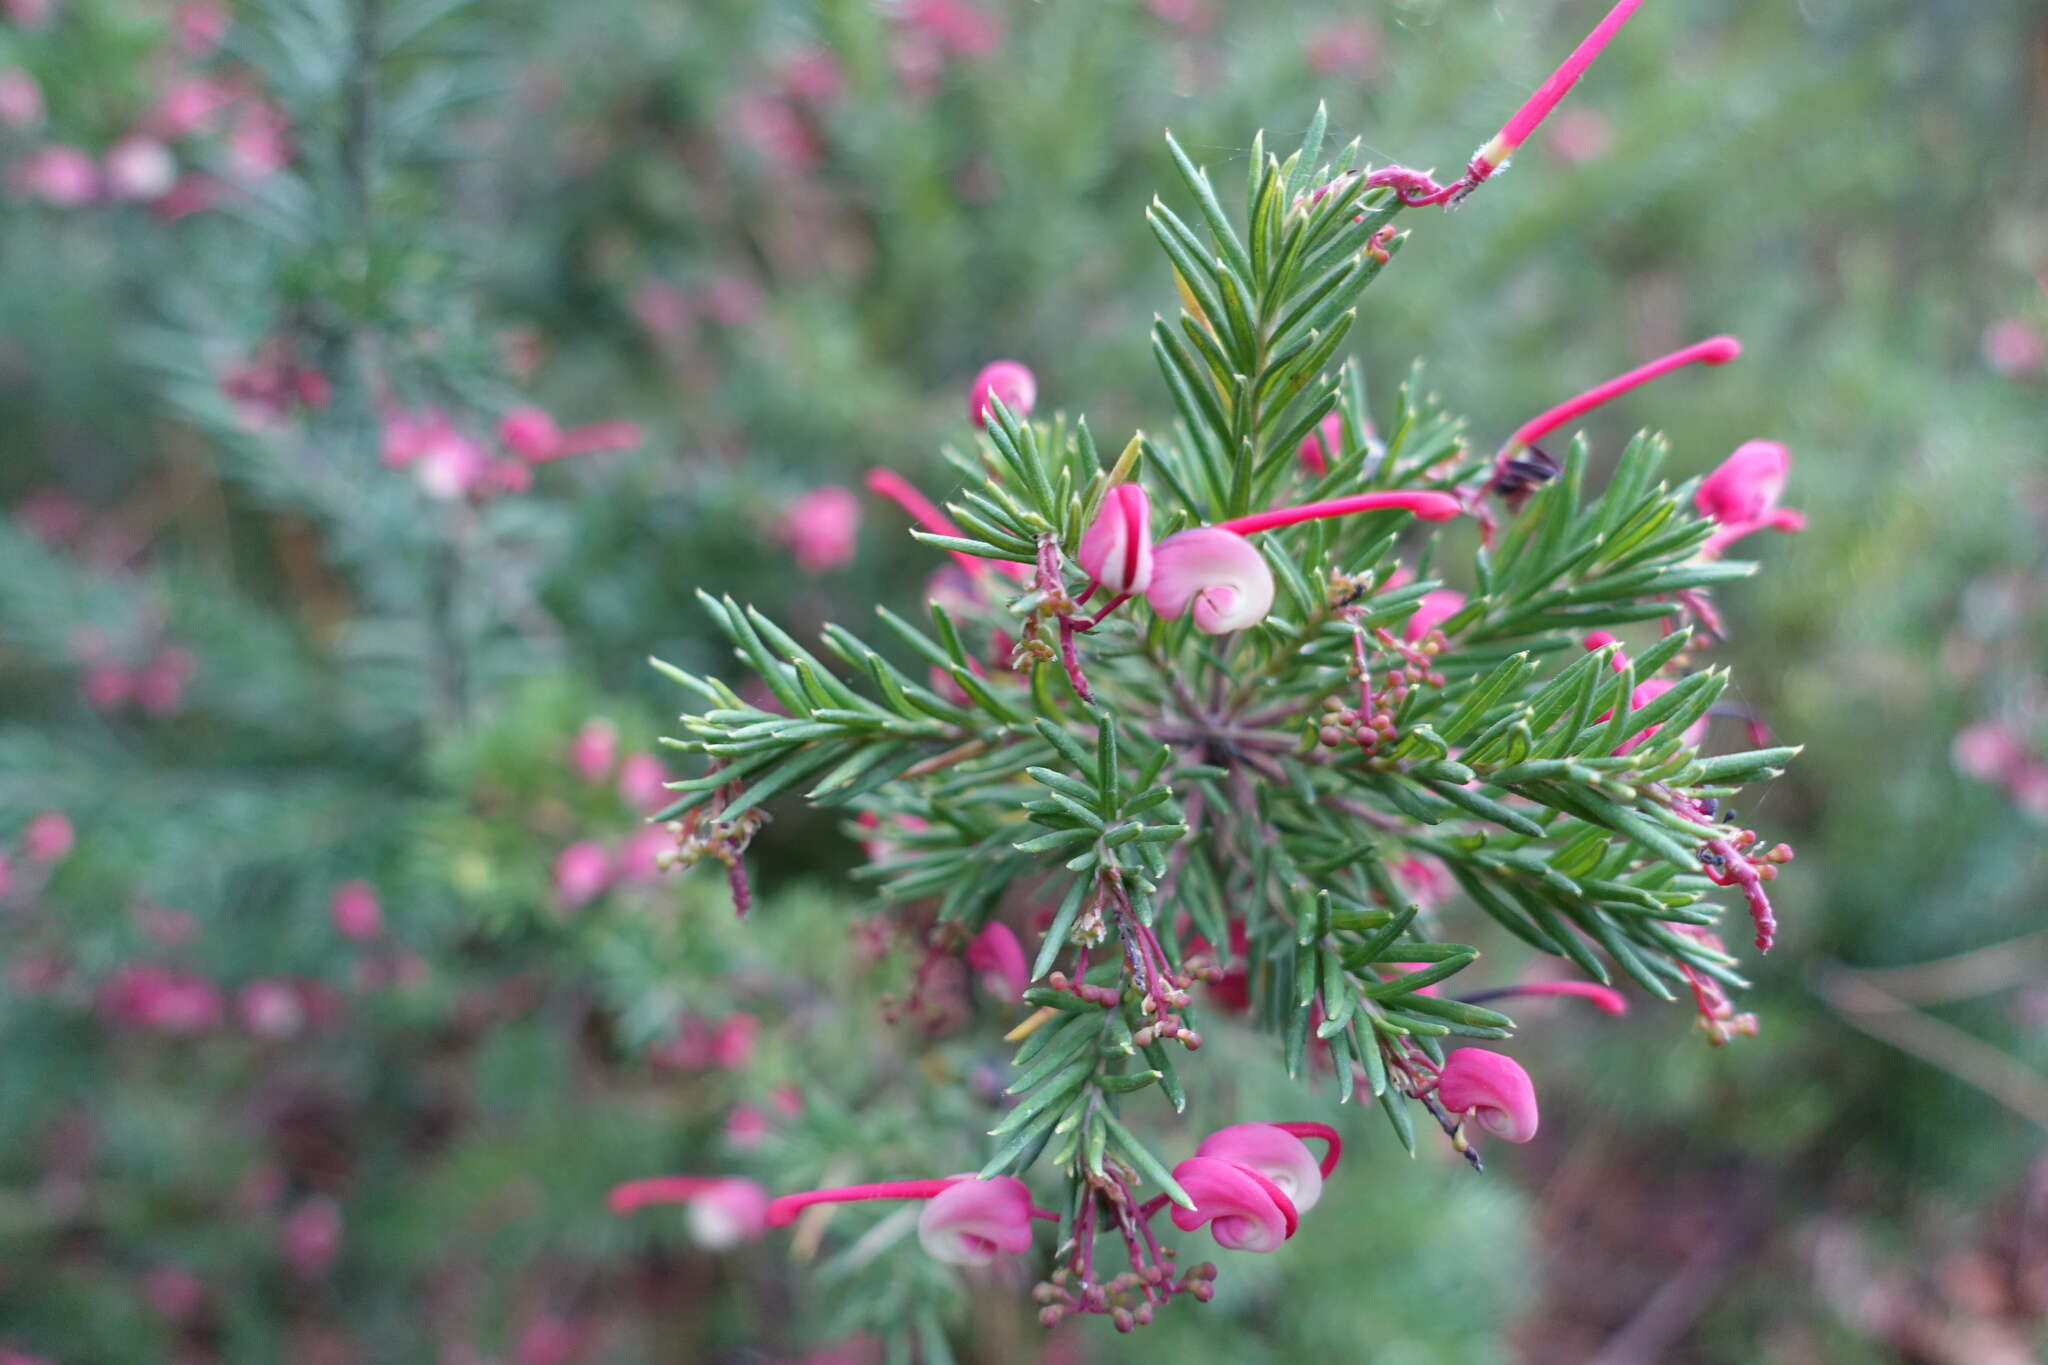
{"points": [[250, 663]]}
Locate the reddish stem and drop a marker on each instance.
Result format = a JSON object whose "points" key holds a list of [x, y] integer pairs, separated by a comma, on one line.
{"points": [[1712, 351], [1333, 1145], [660, 1189], [1426, 505]]}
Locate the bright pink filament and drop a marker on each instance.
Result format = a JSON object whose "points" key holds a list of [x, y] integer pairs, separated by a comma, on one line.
{"points": [[1712, 351], [1427, 506], [1538, 106]]}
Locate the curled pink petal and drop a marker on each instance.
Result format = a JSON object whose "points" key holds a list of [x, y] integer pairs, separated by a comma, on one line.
{"points": [[1493, 1089], [1244, 1209], [1217, 572], [1116, 550], [1274, 1153], [1747, 485], [971, 1222]]}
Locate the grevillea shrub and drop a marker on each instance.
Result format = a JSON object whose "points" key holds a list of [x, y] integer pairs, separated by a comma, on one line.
{"points": [[1268, 713]]}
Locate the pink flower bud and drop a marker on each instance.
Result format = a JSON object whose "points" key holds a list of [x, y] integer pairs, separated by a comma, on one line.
{"points": [[160, 1000], [1274, 1153], [746, 1127], [21, 99], [160, 685], [1007, 380], [356, 914], [188, 106], [996, 954], [48, 837], [732, 1041], [1245, 1210], [582, 872], [530, 433], [594, 749], [1491, 1088], [107, 687], [1116, 550], [972, 1221], [1437, 606], [139, 168], [640, 855], [641, 779], [820, 528], [1218, 572]]}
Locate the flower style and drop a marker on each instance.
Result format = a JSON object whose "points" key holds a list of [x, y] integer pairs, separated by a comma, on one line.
{"points": [[1713, 351], [1007, 380], [723, 1210], [968, 1221], [1742, 495], [1492, 1089]]}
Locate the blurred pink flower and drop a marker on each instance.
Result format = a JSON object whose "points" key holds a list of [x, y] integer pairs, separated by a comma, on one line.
{"points": [[58, 175], [1191, 17], [1579, 135], [50, 515], [1742, 495], [29, 13], [595, 749], [1116, 549], [1319, 449], [6, 875], [661, 308], [166, 925], [746, 1127], [1217, 572], [354, 909], [107, 687], [311, 1237], [535, 437], [640, 855], [21, 99], [821, 528], [813, 74], [2014, 347], [582, 872], [160, 1000], [730, 299], [997, 958], [1437, 606], [259, 140], [971, 1222], [959, 28], [732, 1041], [160, 684], [187, 106], [1007, 380], [269, 1009], [777, 131], [199, 26], [1987, 751], [138, 167], [48, 837], [1426, 880], [641, 783], [174, 1292], [1347, 47]]}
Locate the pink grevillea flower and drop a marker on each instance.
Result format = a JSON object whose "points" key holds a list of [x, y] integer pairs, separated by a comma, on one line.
{"points": [[1319, 448], [582, 872], [1643, 695], [2014, 347], [356, 914], [160, 684], [312, 1236], [270, 1009], [1742, 495], [1007, 380], [1217, 572], [1227, 581], [1491, 1088], [594, 749], [1116, 550], [21, 99], [1437, 606], [48, 837], [967, 1222], [1713, 351], [1988, 751], [820, 528], [1251, 1181], [535, 437], [1426, 880], [723, 1210], [139, 168], [998, 958], [56, 174]]}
